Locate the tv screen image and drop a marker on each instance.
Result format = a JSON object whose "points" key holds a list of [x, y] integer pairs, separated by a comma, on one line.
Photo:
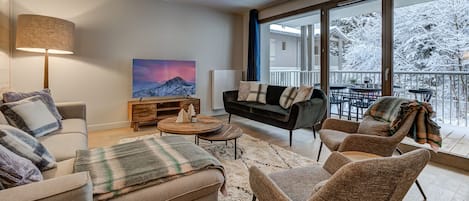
{"points": [[159, 78]]}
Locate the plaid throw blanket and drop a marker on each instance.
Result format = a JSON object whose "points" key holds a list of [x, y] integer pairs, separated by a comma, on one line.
{"points": [[123, 168], [396, 110]]}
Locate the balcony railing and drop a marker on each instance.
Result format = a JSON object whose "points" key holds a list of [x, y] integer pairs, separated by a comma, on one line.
{"points": [[450, 97]]}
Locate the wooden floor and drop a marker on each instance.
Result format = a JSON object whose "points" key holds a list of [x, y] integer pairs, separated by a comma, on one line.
{"points": [[441, 183]]}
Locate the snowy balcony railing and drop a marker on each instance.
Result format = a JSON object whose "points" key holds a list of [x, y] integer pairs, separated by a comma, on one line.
{"points": [[450, 97]]}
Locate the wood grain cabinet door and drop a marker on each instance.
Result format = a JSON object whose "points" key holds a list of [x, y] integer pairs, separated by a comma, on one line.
{"points": [[144, 112]]}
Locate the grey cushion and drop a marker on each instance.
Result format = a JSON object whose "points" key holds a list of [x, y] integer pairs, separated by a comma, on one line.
{"points": [[26, 146], [16, 170], [44, 93], [373, 127], [64, 146], [265, 110], [298, 183], [31, 115], [332, 138]]}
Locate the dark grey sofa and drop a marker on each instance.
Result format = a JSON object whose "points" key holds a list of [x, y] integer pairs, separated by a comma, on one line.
{"points": [[300, 115]]}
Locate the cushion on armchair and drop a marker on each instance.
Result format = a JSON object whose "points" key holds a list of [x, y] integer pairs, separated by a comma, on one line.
{"points": [[374, 127]]}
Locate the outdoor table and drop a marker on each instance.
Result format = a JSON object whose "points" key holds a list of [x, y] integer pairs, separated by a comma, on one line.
{"points": [[425, 94]]}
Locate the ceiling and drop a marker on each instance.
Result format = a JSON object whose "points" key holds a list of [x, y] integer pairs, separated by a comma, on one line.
{"points": [[235, 6]]}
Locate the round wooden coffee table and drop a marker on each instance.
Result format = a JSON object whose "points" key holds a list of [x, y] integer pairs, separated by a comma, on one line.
{"points": [[204, 124]]}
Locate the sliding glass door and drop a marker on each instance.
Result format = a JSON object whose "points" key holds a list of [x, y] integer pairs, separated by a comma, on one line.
{"points": [[431, 55], [355, 49], [294, 50]]}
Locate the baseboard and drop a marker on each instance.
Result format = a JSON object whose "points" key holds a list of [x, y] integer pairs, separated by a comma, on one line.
{"points": [[106, 126]]}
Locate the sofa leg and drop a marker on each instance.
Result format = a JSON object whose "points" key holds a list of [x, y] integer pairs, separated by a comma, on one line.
{"points": [[319, 152], [253, 197], [229, 118], [291, 134]]}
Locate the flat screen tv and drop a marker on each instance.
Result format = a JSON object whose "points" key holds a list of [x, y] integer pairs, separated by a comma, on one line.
{"points": [[159, 78]]}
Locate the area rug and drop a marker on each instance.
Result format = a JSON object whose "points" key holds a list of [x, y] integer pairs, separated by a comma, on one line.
{"points": [[251, 152]]}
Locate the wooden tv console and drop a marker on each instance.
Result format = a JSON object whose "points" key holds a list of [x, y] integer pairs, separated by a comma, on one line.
{"points": [[151, 111]]}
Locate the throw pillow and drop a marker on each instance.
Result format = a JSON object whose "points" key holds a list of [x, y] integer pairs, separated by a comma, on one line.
{"points": [[373, 127], [45, 94], [288, 95], [16, 170], [24, 145], [243, 92], [304, 93], [31, 115], [257, 93]]}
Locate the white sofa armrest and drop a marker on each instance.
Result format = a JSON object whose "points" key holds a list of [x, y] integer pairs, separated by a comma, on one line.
{"points": [[76, 187]]}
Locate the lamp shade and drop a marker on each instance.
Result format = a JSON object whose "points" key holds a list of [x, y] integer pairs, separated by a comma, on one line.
{"points": [[37, 33]]}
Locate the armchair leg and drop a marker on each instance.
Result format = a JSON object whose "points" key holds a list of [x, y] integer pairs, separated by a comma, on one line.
{"points": [[416, 181], [319, 152], [291, 134], [314, 133], [420, 189], [254, 197], [229, 118]]}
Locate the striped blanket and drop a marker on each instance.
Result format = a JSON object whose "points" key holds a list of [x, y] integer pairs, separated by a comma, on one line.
{"points": [[127, 167], [396, 110]]}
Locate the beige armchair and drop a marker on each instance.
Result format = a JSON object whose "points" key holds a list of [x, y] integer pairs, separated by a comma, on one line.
{"points": [[342, 135], [387, 178]]}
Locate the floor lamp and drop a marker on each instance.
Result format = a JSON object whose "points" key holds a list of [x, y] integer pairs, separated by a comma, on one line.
{"points": [[43, 34]]}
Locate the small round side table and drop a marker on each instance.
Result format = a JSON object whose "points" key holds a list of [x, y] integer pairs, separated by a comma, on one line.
{"points": [[226, 133]]}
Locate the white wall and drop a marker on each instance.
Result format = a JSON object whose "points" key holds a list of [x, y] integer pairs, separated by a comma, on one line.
{"points": [[109, 33], [4, 44], [284, 58]]}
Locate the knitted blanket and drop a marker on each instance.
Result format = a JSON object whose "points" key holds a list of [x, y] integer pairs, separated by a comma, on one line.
{"points": [[127, 167], [396, 110]]}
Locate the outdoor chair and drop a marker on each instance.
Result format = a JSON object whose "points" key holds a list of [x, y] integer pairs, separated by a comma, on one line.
{"points": [[340, 179], [338, 98], [361, 98]]}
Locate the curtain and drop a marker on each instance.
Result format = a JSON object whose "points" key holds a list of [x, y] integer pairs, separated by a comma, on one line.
{"points": [[254, 58]]}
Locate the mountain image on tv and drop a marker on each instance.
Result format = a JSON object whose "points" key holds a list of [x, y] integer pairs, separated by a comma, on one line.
{"points": [[158, 78]]}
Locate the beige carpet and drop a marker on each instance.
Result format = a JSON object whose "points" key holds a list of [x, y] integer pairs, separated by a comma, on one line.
{"points": [[251, 151]]}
